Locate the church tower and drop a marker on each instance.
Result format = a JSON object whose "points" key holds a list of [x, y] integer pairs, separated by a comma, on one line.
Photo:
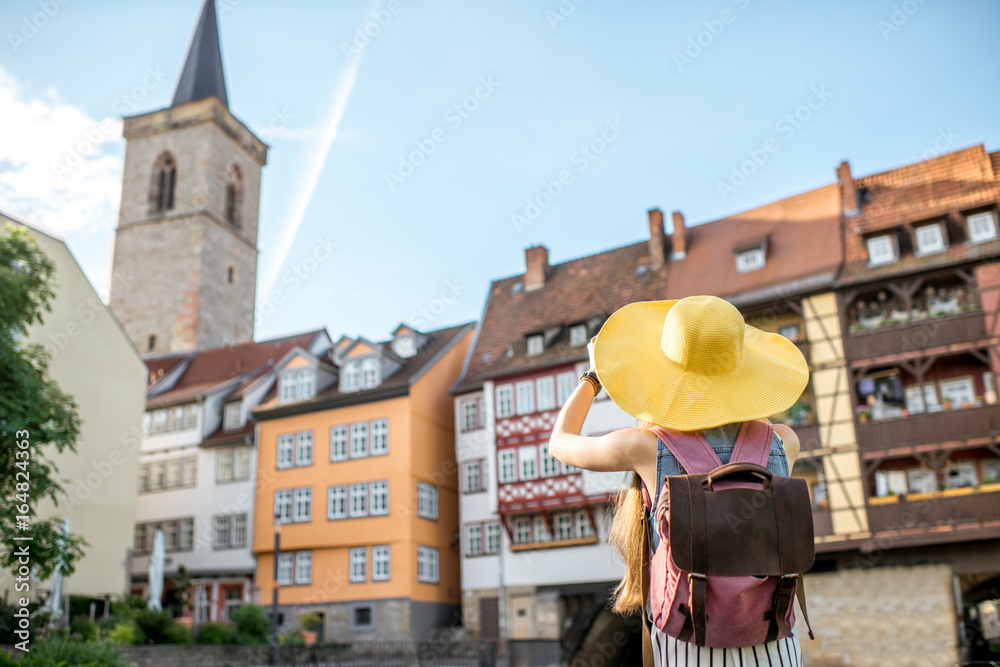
{"points": [[184, 273]]}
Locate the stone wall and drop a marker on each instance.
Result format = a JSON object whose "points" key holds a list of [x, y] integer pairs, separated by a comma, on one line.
{"points": [[901, 616]]}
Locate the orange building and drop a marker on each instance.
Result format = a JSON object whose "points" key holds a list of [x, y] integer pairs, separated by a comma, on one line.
{"points": [[357, 465]]}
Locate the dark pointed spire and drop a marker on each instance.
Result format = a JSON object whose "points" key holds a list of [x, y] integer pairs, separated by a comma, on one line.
{"points": [[202, 75]]}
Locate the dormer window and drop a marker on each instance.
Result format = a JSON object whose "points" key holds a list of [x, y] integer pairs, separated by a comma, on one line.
{"points": [[750, 259], [982, 226], [882, 250], [233, 416], [578, 335], [404, 346], [535, 344], [370, 375], [930, 239], [351, 375], [297, 385]]}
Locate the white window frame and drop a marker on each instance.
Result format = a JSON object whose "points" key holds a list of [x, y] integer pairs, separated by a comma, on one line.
{"points": [[286, 565], [337, 495], [549, 464], [584, 529], [286, 387], [535, 344], [930, 239], [427, 501], [750, 259], [358, 565], [378, 500], [304, 448], [507, 460], [306, 384], [379, 436], [339, 442], [562, 526], [505, 401], [522, 530], [221, 535], [991, 233], [491, 544], [428, 565], [527, 462], [238, 526], [286, 451], [283, 505], [876, 254], [470, 415], [578, 335], [371, 374], [357, 499], [565, 386], [234, 416], [381, 562], [545, 393], [302, 504], [303, 567], [352, 375], [224, 465], [542, 534], [525, 397], [474, 539], [473, 478], [359, 440], [241, 464]]}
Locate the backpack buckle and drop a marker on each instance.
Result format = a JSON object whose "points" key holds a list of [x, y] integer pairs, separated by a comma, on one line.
{"points": [[695, 575]]}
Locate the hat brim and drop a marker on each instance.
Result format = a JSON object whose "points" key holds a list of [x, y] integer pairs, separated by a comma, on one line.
{"points": [[647, 384]]}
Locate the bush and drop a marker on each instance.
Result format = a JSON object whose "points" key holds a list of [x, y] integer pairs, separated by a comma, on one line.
{"points": [[126, 634], [216, 633], [82, 626], [6, 660], [61, 649], [179, 634], [153, 625], [253, 625]]}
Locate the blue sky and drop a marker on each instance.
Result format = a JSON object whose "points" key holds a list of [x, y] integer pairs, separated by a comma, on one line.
{"points": [[670, 97]]}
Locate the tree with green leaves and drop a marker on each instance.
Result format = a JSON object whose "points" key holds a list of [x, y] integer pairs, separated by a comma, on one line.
{"points": [[33, 410]]}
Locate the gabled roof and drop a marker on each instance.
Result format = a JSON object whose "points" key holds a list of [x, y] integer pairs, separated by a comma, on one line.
{"points": [[803, 250], [584, 290], [436, 344], [215, 367], [202, 75]]}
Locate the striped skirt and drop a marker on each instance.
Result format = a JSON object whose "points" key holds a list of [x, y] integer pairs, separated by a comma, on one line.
{"points": [[780, 653]]}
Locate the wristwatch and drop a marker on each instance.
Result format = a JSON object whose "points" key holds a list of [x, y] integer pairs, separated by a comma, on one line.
{"points": [[591, 378]]}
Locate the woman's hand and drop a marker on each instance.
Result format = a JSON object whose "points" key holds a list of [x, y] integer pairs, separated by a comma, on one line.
{"points": [[590, 350]]}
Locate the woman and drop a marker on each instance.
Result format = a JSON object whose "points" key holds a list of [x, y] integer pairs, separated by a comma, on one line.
{"points": [[687, 365]]}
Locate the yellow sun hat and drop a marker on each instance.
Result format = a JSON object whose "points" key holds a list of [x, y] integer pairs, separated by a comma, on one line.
{"points": [[693, 363]]}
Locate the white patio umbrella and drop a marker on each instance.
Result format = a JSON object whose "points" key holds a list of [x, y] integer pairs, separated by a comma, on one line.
{"points": [[53, 603], [156, 565]]}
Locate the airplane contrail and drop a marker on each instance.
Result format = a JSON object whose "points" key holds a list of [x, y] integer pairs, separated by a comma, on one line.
{"points": [[315, 162]]}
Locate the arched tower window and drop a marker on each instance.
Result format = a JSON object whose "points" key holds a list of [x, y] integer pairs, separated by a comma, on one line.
{"points": [[161, 195], [234, 196]]}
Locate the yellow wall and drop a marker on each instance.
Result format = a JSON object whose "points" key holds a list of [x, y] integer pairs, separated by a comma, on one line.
{"points": [[90, 351], [421, 447]]}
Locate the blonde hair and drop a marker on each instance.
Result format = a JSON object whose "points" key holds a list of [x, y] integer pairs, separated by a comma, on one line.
{"points": [[626, 536]]}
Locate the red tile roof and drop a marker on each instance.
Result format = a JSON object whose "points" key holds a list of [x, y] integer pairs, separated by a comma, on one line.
{"points": [[213, 367], [587, 289], [942, 187], [803, 250]]}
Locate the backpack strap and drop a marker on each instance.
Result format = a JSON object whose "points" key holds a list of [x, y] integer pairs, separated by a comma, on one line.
{"points": [[753, 444], [690, 448], [647, 642]]}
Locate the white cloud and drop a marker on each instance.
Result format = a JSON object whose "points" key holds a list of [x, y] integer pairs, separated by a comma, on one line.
{"points": [[59, 167]]}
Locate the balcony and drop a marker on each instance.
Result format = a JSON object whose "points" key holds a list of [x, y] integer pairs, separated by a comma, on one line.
{"points": [[808, 437], [897, 339], [933, 427], [940, 512]]}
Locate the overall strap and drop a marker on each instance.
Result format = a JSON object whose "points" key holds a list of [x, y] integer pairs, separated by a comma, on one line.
{"points": [[647, 643], [688, 447], [753, 444]]}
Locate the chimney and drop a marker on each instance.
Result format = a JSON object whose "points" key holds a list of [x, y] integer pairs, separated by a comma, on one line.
{"points": [[679, 237], [656, 238], [848, 193], [537, 260]]}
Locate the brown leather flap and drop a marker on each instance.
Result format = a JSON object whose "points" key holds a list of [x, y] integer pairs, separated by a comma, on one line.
{"points": [[749, 531]]}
